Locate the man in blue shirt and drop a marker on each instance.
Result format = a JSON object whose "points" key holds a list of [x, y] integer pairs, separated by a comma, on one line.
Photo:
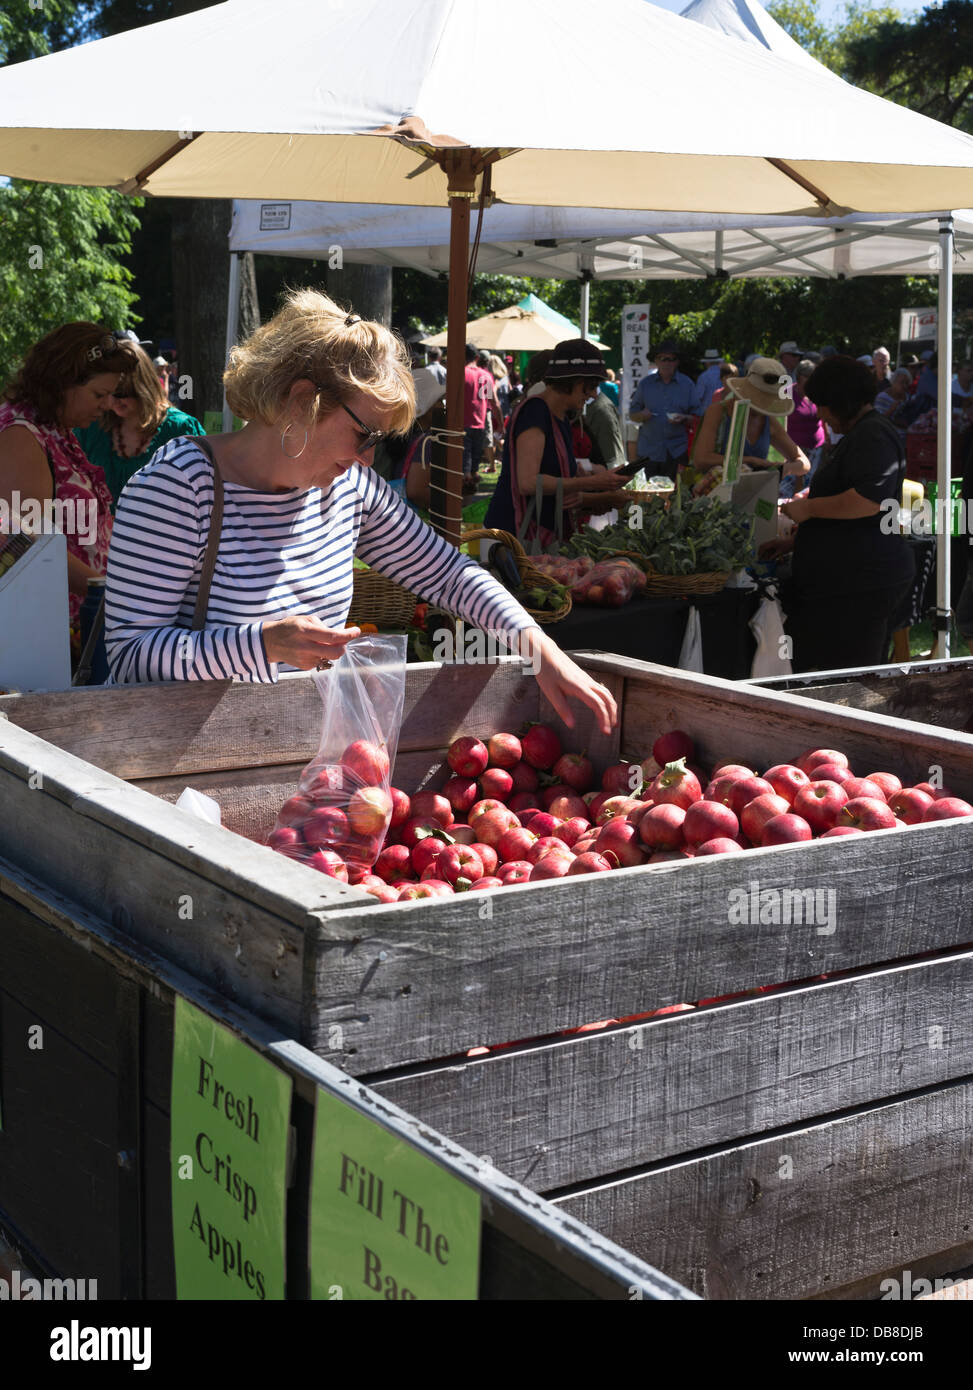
{"points": [[708, 382], [663, 405]]}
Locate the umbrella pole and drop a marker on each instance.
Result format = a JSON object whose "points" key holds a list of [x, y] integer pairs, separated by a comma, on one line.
{"points": [[461, 190], [944, 431]]}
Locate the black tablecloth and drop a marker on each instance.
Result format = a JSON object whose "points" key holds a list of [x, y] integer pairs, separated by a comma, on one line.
{"points": [[652, 629]]}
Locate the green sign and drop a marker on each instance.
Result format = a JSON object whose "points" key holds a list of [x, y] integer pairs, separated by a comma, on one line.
{"points": [[228, 1149], [736, 442], [386, 1221]]}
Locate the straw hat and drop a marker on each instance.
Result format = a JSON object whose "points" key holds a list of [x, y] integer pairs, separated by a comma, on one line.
{"points": [[766, 386]]}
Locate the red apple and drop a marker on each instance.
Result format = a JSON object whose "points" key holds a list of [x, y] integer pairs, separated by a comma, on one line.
{"points": [[551, 793], [661, 827], [496, 783], [547, 844], [330, 783], [541, 746], [575, 770], [786, 780], [467, 756], [622, 779], [525, 778], [628, 806], [295, 810], [480, 808], [862, 786], [367, 762], [541, 823], [887, 781], [517, 871], [676, 785], [369, 810], [910, 804], [401, 808], [395, 861], [868, 813], [459, 861], [709, 820], [585, 843], [358, 871], [426, 852], [287, 839], [830, 772], [621, 838], [482, 884], [327, 862], [758, 812], [430, 888], [462, 834], [721, 788], [947, 808], [572, 830], [326, 826], [670, 747], [552, 865], [819, 804], [719, 845], [930, 788], [384, 892], [746, 790], [522, 802], [504, 750], [434, 806], [514, 844], [487, 856], [491, 826], [814, 756], [594, 802], [786, 829], [727, 768], [839, 831], [589, 864], [462, 794]]}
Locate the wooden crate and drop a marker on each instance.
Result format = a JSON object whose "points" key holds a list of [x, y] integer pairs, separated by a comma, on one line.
{"points": [[931, 692], [788, 1144]]}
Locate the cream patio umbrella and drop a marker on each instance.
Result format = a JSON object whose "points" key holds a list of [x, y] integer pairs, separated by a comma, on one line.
{"points": [[417, 102], [511, 330]]}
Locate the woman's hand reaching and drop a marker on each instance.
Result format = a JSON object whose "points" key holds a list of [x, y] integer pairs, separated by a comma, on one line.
{"points": [[304, 642], [561, 680]]}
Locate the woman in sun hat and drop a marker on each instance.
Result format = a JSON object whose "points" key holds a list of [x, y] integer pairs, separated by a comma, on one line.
{"points": [[768, 389], [538, 451]]}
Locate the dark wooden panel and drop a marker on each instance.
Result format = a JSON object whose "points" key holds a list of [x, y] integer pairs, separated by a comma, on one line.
{"points": [[59, 1173], [179, 728], [942, 698], [869, 1193], [572, 1111], [558, 954]]}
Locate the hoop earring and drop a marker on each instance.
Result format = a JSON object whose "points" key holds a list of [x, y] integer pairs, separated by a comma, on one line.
{"points": [[283, 449]]}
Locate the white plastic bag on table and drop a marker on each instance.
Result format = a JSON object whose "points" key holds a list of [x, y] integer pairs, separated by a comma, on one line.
{"points": [[200, 805], [691, 652], [337, 820], [773, 645]]}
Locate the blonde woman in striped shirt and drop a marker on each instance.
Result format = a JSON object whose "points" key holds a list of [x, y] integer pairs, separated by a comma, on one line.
{"points": [[318, 387]]}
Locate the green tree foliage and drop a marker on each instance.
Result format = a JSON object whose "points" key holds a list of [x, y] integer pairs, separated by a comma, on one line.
{"points": [[926, 65], [60, 248]]}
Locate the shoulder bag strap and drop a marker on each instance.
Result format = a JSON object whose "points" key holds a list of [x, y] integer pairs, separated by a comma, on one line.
{"points": [[212, 542]]}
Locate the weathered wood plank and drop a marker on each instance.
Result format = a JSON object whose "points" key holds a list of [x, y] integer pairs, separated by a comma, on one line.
{"points": [[805, 1212], [571, 1111], [943, 699], [731, 719], [428, 980], [181, 728]]}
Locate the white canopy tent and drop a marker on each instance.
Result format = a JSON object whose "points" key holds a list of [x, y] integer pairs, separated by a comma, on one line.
{"points": [[404, 101]]}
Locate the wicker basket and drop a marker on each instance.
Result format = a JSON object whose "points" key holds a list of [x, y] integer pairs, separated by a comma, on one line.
{"points": [[529, 575], [676, 585], [379, 600]]}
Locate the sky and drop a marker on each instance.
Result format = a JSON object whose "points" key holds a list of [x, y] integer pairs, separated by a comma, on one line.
{"points": [[828, 10]]}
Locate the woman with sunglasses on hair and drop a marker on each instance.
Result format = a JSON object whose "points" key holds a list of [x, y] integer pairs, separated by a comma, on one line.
{"points": [[65, 382], [137, 420], [318, 388], [767, 388]]}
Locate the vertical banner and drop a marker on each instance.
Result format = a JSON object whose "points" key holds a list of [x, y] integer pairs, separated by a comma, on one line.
{"points": [[386, 1222], [229, 1132], [635, 352], [736, 441]]}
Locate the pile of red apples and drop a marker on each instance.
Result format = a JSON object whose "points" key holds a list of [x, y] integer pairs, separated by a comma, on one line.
{"points": [[519, 810]]}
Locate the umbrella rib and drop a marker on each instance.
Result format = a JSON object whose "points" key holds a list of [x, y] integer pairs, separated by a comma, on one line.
{"points": [[806, 184]]}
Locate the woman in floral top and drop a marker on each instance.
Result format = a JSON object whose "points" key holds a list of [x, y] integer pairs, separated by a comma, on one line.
{"points": [[65, 382]]}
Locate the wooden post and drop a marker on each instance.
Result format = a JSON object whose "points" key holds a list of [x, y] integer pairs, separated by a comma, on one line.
{"points": [[461, 177]]}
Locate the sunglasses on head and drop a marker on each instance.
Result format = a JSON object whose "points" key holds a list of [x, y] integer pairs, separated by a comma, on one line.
{"points": [[108, 344], [667, 358]]}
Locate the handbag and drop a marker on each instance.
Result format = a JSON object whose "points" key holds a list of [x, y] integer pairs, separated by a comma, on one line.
{"points": [[533, 509]]}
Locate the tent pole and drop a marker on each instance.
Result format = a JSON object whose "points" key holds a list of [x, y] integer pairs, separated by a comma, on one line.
{"points": [[944, 350], [586, 277], [232, 323], [461, 191]]}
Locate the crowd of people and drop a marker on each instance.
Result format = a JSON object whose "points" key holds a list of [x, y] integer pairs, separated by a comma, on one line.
{"points": [[90, 416]]}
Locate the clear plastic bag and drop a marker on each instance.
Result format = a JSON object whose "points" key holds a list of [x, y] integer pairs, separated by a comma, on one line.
{"points": [[337, 820]]}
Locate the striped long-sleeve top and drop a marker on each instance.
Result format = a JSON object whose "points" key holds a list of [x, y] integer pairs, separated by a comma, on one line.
{"points": [[280, 555]]}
